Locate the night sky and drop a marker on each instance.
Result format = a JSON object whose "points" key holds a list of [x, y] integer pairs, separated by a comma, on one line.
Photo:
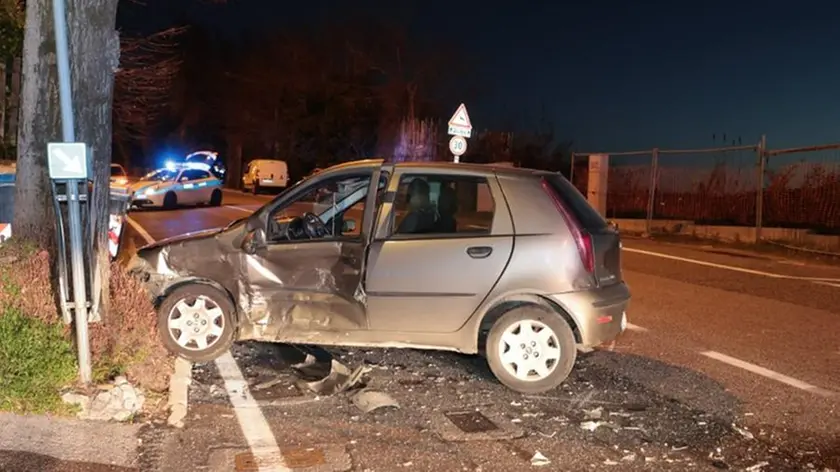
{"points": [[610, 76]]}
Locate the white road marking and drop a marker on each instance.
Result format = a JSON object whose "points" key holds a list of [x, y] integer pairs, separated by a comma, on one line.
{"points": [[637, 328], [234, 207], [755, 369], [254, 426], [732, 268], [251, 420], [142, 232], [829, 284]]}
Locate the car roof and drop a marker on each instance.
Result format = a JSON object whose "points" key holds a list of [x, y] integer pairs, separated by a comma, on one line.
{"points": [[180, 168], [479, 168]]}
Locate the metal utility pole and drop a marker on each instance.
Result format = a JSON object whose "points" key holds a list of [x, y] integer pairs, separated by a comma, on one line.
{"points": [[759, 191], [72, 168]]}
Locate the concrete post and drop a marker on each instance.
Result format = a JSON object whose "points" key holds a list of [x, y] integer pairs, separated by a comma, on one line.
{"points": [[599, 167]]}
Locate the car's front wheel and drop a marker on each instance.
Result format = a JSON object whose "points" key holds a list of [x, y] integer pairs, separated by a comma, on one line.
{"points": [[170, 201], [216, 198], [531, 349], [196, 322]]}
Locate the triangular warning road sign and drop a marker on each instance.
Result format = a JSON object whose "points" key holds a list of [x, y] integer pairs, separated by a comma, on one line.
{"points": [[461, 119]]}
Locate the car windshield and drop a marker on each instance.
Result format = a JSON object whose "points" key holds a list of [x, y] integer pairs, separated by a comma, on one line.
{"points": [[117, 171], [161, 175]]}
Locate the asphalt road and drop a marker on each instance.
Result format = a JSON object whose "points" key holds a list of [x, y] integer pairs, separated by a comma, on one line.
{"points": [[732, 361]]}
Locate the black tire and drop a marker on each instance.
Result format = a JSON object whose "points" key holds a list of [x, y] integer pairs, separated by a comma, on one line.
{"points": [[220, 345], [216, 198], [170, 201], [565, 340]]}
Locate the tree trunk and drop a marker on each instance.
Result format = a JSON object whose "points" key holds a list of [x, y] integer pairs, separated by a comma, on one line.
{"points": [[94, 56], [34, 218], [3, 107], [14, 102], [234, 162]]}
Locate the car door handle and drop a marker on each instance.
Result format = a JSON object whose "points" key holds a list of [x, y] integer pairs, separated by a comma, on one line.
{"points": [[479, 252]]}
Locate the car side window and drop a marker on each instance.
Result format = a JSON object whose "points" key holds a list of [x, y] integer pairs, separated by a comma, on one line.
{"points": [[194, 174], [334, 201], [438, 205]]}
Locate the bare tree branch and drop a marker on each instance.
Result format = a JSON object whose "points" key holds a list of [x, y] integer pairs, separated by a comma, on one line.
{"points": [[143, 83]]}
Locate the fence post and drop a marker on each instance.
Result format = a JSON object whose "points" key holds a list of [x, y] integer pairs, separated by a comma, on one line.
{"points": [[759, 194], [572, 169], [654, 170]]}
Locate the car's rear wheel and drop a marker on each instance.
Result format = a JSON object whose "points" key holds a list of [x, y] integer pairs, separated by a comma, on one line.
{"points": [[170, 201], [196, 322], [216, 198], [531, 349]]}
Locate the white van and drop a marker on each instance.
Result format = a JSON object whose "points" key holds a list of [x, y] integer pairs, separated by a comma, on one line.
{"points": [[118, 175], [265, 173]]}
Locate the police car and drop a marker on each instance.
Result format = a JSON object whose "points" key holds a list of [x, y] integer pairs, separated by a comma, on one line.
{"points": [[176, 184]]}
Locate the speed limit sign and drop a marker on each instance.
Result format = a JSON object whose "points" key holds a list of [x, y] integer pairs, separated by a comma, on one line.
{"points": [[457, 145]]}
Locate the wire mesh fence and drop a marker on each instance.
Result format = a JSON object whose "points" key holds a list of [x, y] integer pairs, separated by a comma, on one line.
{"points": [[737, 185], [802, 188], [708, 186]]}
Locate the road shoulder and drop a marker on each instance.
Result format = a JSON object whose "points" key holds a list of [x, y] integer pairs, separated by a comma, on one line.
{"points": [[68, 440]]}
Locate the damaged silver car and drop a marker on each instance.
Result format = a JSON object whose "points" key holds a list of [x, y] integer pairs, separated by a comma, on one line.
{"points": [[510, 263]]}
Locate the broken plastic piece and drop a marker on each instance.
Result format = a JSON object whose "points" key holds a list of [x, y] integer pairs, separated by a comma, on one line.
{"points": [[307, 362], [370, 400], [339, 379], [743, 432], [757, 467], [268, 384], [539, 459], [592, 425], [594, 414]]}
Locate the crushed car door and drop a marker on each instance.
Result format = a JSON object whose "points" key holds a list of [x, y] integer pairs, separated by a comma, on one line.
{"points": [[442, 241], [313, 285]]}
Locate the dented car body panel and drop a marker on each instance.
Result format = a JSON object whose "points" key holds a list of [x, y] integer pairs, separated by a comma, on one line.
{"points": [[374, 286]]}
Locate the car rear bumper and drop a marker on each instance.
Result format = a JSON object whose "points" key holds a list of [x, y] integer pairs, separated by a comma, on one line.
{"points": [[600, 314], [275, 183]]}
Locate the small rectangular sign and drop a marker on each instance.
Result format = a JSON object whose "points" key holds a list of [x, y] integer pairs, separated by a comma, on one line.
{"points": [[459, 131], [67, 161]]}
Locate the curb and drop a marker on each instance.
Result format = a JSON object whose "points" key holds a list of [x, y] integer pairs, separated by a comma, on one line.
{"points": [[179, 384]]}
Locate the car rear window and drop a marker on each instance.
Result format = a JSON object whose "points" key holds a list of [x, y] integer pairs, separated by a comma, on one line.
{"points": [[576, 203]]}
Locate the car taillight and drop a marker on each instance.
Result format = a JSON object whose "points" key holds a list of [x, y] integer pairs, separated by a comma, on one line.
{"points": [[583, 240]]}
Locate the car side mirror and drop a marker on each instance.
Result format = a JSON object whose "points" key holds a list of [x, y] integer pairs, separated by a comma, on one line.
{"points": [[254, 241], [349, 226], [613, 225]]}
